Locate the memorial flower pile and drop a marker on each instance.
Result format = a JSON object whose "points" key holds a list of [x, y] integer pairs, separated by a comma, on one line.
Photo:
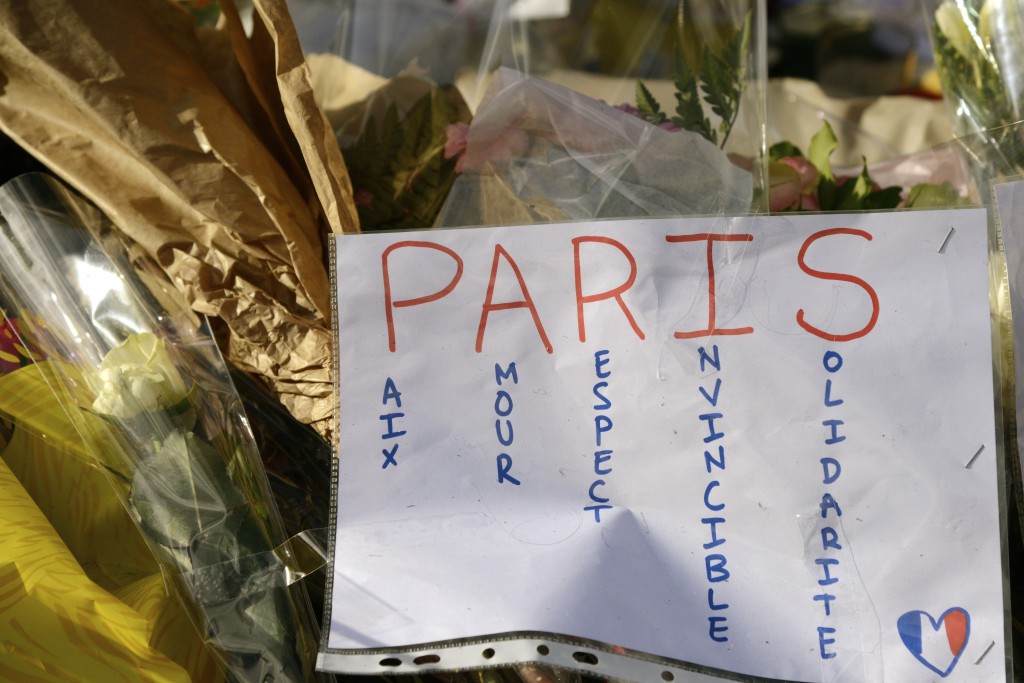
{"points": [[234, 200]]}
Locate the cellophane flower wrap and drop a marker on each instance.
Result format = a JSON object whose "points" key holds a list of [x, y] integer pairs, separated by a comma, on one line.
{"points": [[150, 398], [539, 152], [977, 47], [502, 113]]}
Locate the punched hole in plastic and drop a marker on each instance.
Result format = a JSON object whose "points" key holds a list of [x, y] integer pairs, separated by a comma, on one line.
{"points": [[426, 659], [488, 653], [585, 658], [543, 649], [667, 676], [390, 661]]}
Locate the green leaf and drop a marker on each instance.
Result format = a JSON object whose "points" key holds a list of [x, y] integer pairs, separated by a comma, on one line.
{"points": [[648, 106], [719, 86], [783, 149], [930, 195], [850, 195], [724, 78], [721, 81], [886, 198], [738, 47], [413, 138], [690, 112], [399, 164], [240, 582], [181, 488], [235, 545], [823, 144]]}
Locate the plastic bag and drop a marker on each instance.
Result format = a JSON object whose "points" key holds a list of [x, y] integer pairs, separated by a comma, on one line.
{"points": [[694, 66], [539, 152]]}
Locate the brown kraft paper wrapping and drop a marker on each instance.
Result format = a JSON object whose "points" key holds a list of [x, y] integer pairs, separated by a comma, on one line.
{"points": [[206, 148]]}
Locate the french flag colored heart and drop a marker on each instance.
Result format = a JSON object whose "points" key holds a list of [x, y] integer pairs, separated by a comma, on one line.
{"points": [[936, 643]]}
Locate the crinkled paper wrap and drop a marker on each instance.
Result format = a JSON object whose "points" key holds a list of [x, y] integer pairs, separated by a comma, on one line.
{"points": [[207, 149]]}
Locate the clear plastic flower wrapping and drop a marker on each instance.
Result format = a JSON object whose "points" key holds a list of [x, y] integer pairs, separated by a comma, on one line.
{"points": [[154, 408]]}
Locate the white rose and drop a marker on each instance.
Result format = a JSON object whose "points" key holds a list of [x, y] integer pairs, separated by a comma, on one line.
{"points": [[137, 376]]}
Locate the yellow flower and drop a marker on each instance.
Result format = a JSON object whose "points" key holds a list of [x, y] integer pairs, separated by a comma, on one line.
{"points": [[137, 376]]}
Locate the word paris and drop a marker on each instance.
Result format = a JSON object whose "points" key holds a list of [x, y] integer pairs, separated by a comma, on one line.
{"points": [[616, 294], [763, 446]]}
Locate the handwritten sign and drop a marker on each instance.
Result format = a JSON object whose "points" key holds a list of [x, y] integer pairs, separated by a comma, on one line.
{"points": [[765, 446]]}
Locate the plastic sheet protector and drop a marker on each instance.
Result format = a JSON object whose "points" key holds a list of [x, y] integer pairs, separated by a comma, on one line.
{"points": [[680, 449], [1009, 202]]}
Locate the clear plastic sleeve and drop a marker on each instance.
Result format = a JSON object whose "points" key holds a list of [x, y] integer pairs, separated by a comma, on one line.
{"points": [[153, 407], [693, 68], [539, 152], [976, 44]]}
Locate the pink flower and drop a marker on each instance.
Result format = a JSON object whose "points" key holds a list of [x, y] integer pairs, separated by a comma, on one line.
{"points": [[490, 146], [457, 138], [804, 168], [809, 202], [793, 184], [784, 195]]}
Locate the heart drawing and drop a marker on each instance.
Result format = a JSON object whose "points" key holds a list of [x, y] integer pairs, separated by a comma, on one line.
{"points": [[936, 643]]}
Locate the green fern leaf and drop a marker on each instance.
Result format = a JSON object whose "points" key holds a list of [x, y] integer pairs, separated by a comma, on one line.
{"points": [[690, 112], [397, 165], [720, 88], [648, 106]]}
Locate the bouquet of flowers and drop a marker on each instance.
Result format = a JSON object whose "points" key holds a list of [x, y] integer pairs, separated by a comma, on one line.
{"points": [[977, 50], [151, 405]]}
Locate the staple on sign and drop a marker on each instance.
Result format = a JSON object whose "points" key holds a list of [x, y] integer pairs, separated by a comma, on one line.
{"points": [[990, 646], [974, 457], [945, 241]]}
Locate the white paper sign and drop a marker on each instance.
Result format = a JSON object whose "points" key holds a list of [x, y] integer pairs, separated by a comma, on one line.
{"points": [[758, 445]]}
